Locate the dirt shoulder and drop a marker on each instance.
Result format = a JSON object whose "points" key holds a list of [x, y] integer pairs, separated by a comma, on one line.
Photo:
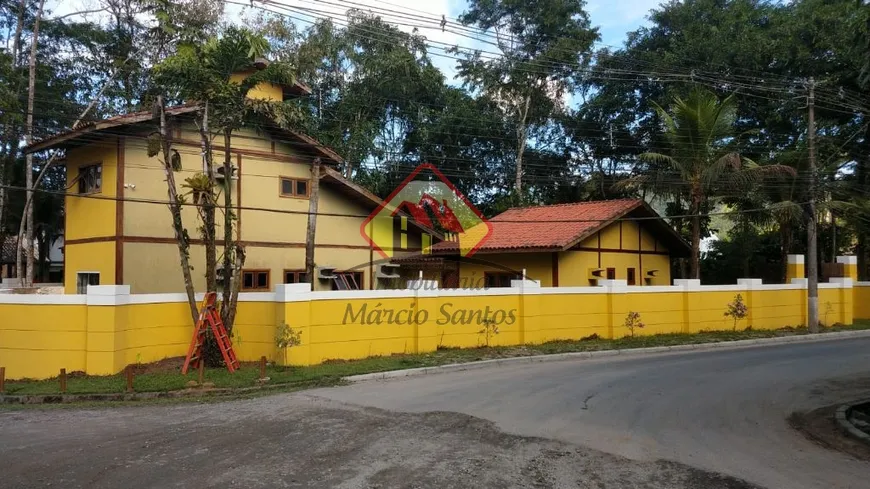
{"points": [[293, 440]]}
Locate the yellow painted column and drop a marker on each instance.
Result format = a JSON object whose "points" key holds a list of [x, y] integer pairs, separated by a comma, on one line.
{"points": [[795, 268], [426, 306], [847, 306], [293, 308], [618, 307], [106, 326], [526, 288], [691, 302], [751, 297], [850, 266]]}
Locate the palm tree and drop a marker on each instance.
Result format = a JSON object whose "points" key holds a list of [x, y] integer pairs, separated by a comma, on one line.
{"points": [[702, 164], [204, 73]]}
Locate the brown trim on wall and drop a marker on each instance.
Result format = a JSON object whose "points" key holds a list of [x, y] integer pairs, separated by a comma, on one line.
{"points": [[239, 198], [555, 268], [629, 252], [98, 239], [255, 244], [247, 152], [599, 248], [273, 146], [119, 213], [640, 253], [620, 235], [371, 268]]}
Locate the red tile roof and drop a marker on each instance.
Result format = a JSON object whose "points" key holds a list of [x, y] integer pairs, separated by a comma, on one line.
{"points": [[550, 227]]}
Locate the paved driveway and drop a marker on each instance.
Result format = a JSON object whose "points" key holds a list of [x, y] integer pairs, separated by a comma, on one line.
{"points": [[724, 411]]}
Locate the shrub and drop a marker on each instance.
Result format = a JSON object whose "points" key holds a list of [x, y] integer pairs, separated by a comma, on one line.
{"points": [[736, 310], [286, 337], [490, 329], [632, 322]]}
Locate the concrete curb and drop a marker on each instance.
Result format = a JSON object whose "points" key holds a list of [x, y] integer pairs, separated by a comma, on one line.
{"points": [[842, 417], [561, 357]]}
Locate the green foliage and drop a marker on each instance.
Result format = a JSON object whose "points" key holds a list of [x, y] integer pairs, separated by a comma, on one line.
{"points": [[489, 330], [633, 322], [736, 310], [287, 337]]}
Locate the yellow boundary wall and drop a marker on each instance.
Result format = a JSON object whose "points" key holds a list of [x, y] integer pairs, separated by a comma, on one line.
{"points": [[102, 332]]}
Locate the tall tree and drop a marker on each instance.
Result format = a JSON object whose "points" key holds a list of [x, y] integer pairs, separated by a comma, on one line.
{"points": [[25, 240], [703, 162], [203, 73], [544, 49]]}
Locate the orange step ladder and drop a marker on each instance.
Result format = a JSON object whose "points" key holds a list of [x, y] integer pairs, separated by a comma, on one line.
{"points": [[209, 318]]}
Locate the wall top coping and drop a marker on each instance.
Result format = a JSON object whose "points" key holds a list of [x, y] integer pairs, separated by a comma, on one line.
{"points": [[106, 295]]}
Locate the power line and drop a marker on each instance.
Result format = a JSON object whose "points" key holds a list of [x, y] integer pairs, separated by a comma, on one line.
{"points": [[335, 214]]}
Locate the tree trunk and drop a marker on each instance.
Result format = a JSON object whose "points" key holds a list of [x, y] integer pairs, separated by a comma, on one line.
{"points": [[229, 317], [181, 237], [208, 204], [695, 265], [26, 244], [234, 255], [311, 232], [522, 134]]}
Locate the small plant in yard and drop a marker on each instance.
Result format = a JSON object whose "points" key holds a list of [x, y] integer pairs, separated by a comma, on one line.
{"points": [[490, 329], [633, 322], [736, 310], [829, 308], [287, 337]]}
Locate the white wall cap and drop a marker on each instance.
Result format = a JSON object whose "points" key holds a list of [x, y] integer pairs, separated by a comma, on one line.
{"points": [[845, 282], [108, 290], [688, 283], [749, 283], [527, 283], [848, 260]]}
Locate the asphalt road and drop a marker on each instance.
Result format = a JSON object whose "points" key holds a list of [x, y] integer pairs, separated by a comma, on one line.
{"points": [[723, 411], [297, 441]]}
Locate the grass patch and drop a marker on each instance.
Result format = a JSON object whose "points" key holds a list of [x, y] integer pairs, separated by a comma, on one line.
{"points": [[169, 378]]}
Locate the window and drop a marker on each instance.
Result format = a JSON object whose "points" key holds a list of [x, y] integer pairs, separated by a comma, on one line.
{"points": [[611, 274], [295, 277], [499, 279], [83, 279], [294, 187], [255, 279], [631, 278], [347, 281], [400, 232], [90, 179]]}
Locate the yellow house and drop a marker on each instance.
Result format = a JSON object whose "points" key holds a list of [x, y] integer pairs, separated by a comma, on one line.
{"points": [[568, 245], [118, 227]]}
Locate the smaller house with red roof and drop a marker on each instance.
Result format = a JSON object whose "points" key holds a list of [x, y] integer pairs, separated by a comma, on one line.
{"points": [[569, 245]]}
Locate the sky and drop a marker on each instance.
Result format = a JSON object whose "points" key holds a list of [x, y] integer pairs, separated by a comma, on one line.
{"points": [[613, 17]]}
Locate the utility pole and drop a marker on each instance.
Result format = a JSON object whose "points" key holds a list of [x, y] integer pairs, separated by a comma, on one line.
{"points": [[812, 238]]}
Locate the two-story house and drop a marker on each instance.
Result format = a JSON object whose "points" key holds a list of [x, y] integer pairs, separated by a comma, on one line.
{"points": [[118, 226]]}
